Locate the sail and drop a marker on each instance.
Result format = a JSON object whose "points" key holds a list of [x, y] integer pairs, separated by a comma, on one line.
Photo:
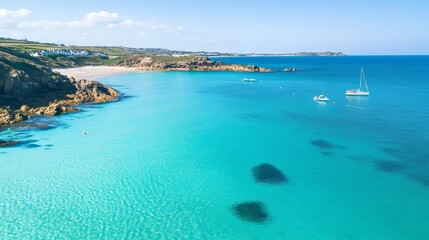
{"points": [[362, 77], [359, 91]]}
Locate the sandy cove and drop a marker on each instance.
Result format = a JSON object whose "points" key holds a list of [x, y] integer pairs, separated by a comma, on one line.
{"points": [[92, 72]]}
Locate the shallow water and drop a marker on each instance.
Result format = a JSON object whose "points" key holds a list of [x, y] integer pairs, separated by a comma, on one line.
{"points": [[172, 158]]}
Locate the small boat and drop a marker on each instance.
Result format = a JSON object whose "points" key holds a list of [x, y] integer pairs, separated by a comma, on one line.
{"points": [[248, 80], [359, 92], [291, 69], [321, 98]]}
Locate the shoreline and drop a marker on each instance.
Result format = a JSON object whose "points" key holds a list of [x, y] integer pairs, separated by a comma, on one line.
{"points": [[94, 72]]}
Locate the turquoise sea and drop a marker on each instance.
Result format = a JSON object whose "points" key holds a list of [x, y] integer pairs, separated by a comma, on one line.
{"points": [[172, 157]]}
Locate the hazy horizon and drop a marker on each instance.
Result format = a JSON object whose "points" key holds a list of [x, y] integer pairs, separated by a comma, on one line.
{"points": [[275, 27]]}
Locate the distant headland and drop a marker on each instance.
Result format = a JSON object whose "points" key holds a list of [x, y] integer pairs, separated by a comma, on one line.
{"points": [[299, 54]]}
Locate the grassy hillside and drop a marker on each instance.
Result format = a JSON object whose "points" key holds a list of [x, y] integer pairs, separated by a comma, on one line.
{"points": [[14, 60], [27, 80], [114, 55]]}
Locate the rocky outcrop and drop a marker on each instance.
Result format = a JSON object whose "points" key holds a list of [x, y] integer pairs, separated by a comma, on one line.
{"points": [[53, 109], [85, 92], [88, 91], [197, 64], [19, 85], [28, 88], [9, 116]]}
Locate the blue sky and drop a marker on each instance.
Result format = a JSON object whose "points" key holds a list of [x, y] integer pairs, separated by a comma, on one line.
{"points": [[359, 27]]}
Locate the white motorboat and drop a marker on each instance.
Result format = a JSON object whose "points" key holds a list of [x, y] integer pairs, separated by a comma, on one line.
{"points": [[248, 80], [321, 98]]}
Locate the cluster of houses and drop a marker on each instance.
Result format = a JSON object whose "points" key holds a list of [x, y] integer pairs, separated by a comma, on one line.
{"points": [[170, 53], [66, 52]]}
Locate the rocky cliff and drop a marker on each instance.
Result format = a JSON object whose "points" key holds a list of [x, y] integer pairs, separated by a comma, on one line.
{"points": [[27, 88], [196, 64]]}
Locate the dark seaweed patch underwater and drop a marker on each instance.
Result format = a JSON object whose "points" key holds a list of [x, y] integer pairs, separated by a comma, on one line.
{"points": [[389, 166], [323, 144], [253, 211], [267, 173]]}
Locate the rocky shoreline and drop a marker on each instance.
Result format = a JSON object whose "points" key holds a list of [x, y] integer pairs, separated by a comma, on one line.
{"points": [[197, 64], [81, 92], [54, 94]]}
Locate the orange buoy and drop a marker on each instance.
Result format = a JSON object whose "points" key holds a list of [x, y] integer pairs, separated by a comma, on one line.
{"points": [[84, 133]]}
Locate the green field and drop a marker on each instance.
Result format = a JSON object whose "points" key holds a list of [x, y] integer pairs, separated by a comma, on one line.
{"points": [[115, 55]]}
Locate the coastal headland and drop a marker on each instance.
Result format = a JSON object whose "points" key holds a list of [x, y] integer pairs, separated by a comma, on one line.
{"points": [[29, 87], [52, 79]]}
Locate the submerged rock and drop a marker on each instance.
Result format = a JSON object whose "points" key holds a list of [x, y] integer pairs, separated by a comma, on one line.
{"points": [[4, 143], [32, 145], [323, 144], [326, 153], [267, 173], [389, 166], [253, 211]]}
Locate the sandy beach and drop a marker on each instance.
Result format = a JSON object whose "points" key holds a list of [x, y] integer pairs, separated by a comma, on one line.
{"points": [[92, 72]]}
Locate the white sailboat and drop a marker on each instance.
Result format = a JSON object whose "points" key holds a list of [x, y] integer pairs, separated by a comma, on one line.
{"points": [[359, 92]]}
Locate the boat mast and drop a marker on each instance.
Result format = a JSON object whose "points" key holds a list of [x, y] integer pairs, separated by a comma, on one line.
{"points": [[360, 82], [364, 79]]}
